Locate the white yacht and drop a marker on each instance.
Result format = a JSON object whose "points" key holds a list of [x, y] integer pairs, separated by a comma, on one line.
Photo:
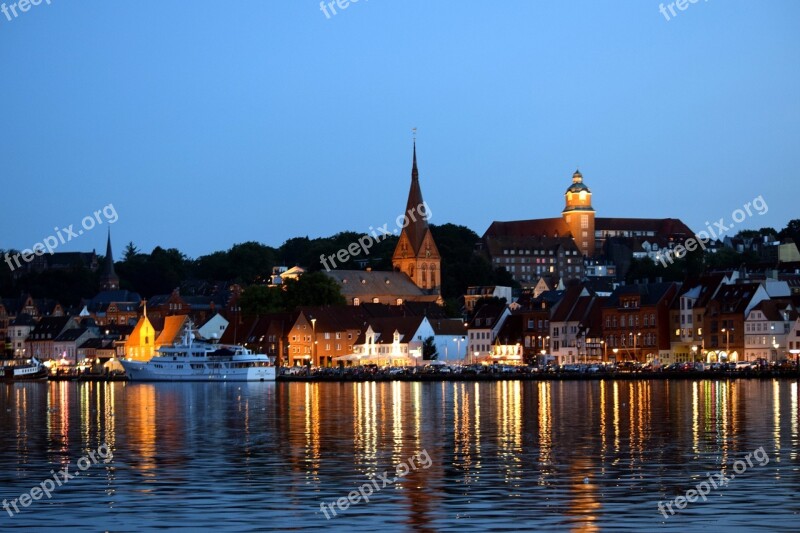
{"points": [[193, 360]]}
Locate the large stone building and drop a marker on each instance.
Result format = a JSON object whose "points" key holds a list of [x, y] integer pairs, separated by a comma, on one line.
{"points": [[547, 243]]}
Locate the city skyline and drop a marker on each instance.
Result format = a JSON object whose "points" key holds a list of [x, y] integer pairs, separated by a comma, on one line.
{"points": [[687, 118]]}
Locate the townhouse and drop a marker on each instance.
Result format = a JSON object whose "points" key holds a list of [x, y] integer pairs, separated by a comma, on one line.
{"points": [[767, 328], [482, 330], [575, 327], [636, 321]]}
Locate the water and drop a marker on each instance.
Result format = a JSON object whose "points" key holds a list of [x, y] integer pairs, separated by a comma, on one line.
{"points": [[579, 455]]}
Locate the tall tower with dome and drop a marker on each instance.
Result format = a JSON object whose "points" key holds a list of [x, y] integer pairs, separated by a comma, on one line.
{"points": [[578, 213]]}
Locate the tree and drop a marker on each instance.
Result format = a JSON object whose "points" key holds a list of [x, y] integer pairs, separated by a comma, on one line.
{"points": [[130, 252], [791, 231], [429, 351], [156, 273], [247, 262], [487, 300], [251, 261], [728, 258], [260, 300], [313, 288]]}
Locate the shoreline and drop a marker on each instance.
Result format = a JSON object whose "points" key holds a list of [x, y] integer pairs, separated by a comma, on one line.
{"points": [[622, 376], [561, 376]]}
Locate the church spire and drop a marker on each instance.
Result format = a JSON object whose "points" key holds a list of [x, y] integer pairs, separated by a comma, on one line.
{"points": [[416, 254], [414, 171], [416, 209], [109, 280]]}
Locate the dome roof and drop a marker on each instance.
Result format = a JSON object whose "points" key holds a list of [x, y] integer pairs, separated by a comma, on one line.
{"points": [[577, 183], [578, 187]]}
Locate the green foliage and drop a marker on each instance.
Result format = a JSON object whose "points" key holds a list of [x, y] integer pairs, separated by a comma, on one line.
{"points": [[248, 262], [487, 300], [429, 351], [645, 270], [791, 231], [64, 286], [260, 300], [728, 259], [313, 288], [461, 265], [130, 252], [452, 308], [157, 273]]}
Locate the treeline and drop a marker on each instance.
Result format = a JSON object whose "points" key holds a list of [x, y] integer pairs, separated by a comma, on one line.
{"points": [[251, 263]]}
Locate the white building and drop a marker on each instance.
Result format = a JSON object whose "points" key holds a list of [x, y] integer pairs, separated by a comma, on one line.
{"points": [[767, 329], [18, 331], [483, 330], [214, 328]]}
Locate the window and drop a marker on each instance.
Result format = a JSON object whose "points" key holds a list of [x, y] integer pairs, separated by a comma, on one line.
{"points": [[584, 221], [356, 301]]}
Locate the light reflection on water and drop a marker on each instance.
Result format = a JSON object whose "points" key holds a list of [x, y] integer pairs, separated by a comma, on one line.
{"points": [[557, 455]]}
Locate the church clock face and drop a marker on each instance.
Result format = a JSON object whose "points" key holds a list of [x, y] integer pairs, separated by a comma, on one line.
{"points": [[403, 250], [428, 251]]}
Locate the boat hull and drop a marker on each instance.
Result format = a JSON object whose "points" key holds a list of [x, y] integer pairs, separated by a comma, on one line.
{"points": [[11, 373], [148, 371]]}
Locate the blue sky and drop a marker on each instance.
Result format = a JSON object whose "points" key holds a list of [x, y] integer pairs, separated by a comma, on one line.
{"points": [[211, 123]]}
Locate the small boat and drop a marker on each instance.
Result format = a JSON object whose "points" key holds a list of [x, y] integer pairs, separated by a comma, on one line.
{"points": [[195, 360], [23, 370]]}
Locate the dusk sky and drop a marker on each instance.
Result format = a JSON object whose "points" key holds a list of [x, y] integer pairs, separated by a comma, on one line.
{"points": [[211, 123]]}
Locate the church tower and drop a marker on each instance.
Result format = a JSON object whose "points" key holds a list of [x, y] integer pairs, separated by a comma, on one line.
{"points": [[109, 281], [579, 214], [416, 253]]}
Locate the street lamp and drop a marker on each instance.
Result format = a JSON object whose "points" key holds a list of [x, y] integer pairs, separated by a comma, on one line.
{"points": [[615, 350], [313, 340], [727, 333], [694, 353], [605, 350], [458, 346], [634, 344]]}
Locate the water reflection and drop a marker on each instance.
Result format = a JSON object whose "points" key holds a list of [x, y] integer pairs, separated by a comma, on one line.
{"points": [[573, 455]]}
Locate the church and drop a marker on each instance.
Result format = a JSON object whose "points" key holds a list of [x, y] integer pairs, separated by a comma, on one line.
{"points": [[416, 274]]}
